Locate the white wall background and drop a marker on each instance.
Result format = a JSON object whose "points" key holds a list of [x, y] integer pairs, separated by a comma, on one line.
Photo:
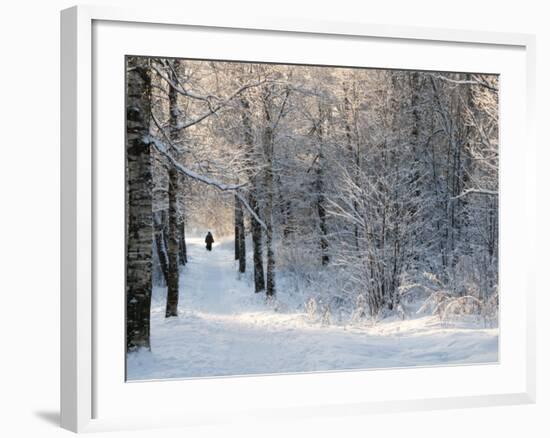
{"points": [[29, 219]]}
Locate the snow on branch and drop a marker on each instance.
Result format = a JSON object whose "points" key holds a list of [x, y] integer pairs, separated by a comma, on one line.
{"points": [[466, 82], [476, 191], [250, 209], [235, 188]]}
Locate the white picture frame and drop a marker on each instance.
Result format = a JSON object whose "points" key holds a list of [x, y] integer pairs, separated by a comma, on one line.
{"points": [[84, 373]]}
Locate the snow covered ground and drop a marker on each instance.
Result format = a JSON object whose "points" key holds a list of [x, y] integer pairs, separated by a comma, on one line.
{"points": [[223, 329]]}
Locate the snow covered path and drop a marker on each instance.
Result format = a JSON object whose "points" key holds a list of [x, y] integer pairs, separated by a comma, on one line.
{"points": [[223, 328]]}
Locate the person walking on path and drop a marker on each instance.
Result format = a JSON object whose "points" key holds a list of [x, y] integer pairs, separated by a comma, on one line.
{"points": [[209, 241]]}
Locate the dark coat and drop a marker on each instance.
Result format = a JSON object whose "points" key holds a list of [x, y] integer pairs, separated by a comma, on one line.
{"points": [[209, 241]]}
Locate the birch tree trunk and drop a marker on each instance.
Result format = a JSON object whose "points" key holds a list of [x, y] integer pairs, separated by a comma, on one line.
{"points": [[139, 233], [172, 296]]}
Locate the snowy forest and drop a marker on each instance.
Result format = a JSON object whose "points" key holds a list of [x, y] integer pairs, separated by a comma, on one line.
{"points": [[354, 213]]}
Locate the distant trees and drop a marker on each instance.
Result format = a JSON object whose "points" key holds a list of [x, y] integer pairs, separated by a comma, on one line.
{"points": [[376, 178]]}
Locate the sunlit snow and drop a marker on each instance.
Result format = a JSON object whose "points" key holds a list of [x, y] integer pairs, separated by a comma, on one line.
{"points": [[223, 329]]}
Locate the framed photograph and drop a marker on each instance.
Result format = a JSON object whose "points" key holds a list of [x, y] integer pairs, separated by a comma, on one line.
{"points": [[281, 219]]}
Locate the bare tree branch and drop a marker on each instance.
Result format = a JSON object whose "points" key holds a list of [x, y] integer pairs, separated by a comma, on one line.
{"points": [[234, 188]]}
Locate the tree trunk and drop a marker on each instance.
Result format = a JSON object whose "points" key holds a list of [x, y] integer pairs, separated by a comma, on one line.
{"points": [[286, 215], [172, 295], [257, 247], [139, 232], [183, 244], [242, 248], [240, 236], [321, 211], [349, 118], [268, 209], [160, 245], [255, 227], [320, 189], [237, 228]]}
